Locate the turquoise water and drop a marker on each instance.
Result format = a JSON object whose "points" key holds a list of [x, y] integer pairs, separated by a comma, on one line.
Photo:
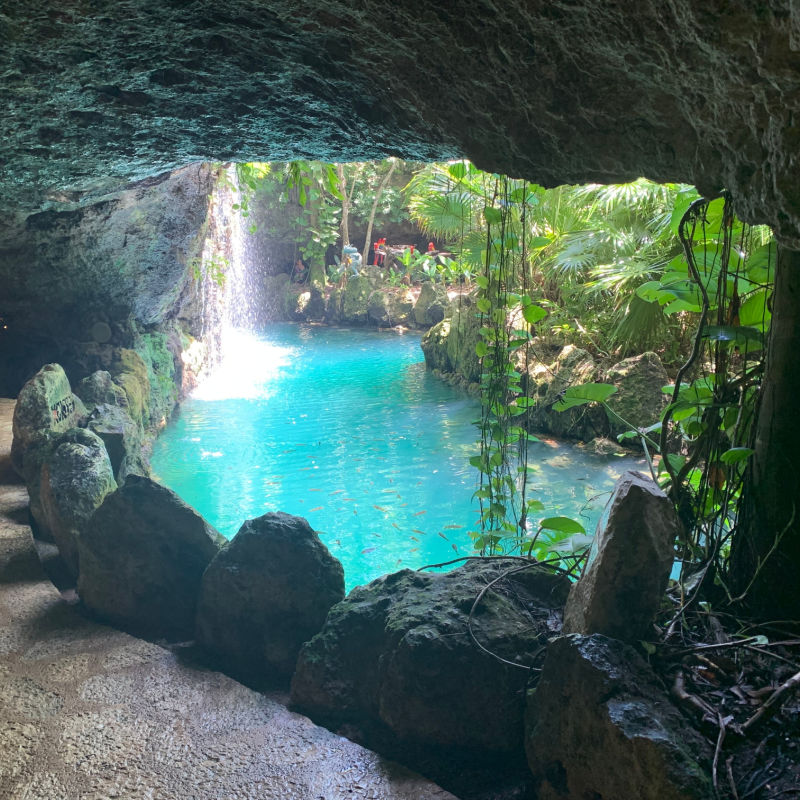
{"points": [[347, 429]]}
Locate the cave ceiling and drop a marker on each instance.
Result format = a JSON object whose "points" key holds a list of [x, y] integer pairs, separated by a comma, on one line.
{"points": [[100, 93]]}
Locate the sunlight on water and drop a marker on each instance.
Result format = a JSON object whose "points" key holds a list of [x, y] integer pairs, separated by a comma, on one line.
{"points": [[347, 429], [250, 368]]}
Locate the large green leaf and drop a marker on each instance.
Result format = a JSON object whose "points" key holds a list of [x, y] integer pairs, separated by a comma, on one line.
{"points": [[533, 313], [562, 525], [493, 215], [755, 310], [735, 455], [586, 393]]}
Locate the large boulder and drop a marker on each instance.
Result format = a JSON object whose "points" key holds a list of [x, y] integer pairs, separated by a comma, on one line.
{"points": [[99, 388], [355, 300], [75, 479], [449, 346], [599, 725], [45, 405], [265, 594], [639, 399], [396, 655], [390, 307], [122, 437], [142, 557], [547, 375], [432, 304], [626, 574]]}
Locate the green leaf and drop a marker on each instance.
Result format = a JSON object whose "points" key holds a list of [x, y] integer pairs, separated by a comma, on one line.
{"points": [[538, 242], [562, 525], [682, 202], [735, 455], [754, 311], [533, 314], [482, 281], [493, 215], [457, 170], [481, 348], [586, 393], [483, 305]]}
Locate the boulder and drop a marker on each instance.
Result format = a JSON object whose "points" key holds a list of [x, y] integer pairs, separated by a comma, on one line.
{"points": [[626, 574], [396, 656], [45, 405], [639, 399], [355, 299], [99, 388], [431, 306], [142, 557], [75, 479], [548, 374], [449, 346], [265, 594], [388, 308], [122, 437], [602, 446], [599, 725]]}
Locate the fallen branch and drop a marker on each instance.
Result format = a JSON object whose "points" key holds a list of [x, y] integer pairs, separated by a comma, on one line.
{"points": [[717, 751], [691, 701], [772, 701]]}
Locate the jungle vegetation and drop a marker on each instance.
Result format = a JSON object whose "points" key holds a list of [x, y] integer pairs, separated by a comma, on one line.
{"points": [[617, 270]]}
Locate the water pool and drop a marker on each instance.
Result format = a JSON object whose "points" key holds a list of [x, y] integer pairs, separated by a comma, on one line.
{"points": [[347, 429]]}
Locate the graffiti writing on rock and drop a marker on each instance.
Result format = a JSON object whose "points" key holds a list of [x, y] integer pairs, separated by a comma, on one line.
{"points": [[62, 410]]}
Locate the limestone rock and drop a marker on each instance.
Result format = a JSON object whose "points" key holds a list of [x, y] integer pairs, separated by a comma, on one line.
{"points": [[601, 446], [142, 557], [122, 437], [396, 653], [99, 388], [130, 372], [547, 377], [265, 594], [449, 346], [355, 300], [645, 108], [599, 724], [45, 404], [75, 480], [389, 307], [431, 306], [629, 563], [638, 399]]}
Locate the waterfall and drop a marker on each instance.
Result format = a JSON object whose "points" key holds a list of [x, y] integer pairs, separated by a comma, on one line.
{"points": [[242, 299]]}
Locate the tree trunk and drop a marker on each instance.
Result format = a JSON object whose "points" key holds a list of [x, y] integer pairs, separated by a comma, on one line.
{"points": [[367, 241], [345, 206], [765, 557]]}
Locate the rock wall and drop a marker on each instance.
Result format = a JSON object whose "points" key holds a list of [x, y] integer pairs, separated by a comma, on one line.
{"points": [[554, 91], [78, 283]]}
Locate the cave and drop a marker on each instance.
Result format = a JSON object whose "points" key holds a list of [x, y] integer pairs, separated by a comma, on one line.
{"points": [[117, 115]]}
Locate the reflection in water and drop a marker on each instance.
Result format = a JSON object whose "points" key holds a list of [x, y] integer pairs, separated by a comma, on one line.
{"points": [[347, 429]]}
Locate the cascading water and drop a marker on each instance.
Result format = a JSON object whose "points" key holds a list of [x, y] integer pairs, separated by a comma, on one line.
{"points": [[242, 293]]}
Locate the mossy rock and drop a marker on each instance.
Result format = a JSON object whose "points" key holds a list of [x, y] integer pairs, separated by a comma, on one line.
{"points": [[449, 346], [153, 348], [130, 372], [638, 399], [356, 300]]}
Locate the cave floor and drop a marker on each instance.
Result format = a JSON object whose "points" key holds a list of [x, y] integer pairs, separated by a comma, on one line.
{"points": [[89, 713]]}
